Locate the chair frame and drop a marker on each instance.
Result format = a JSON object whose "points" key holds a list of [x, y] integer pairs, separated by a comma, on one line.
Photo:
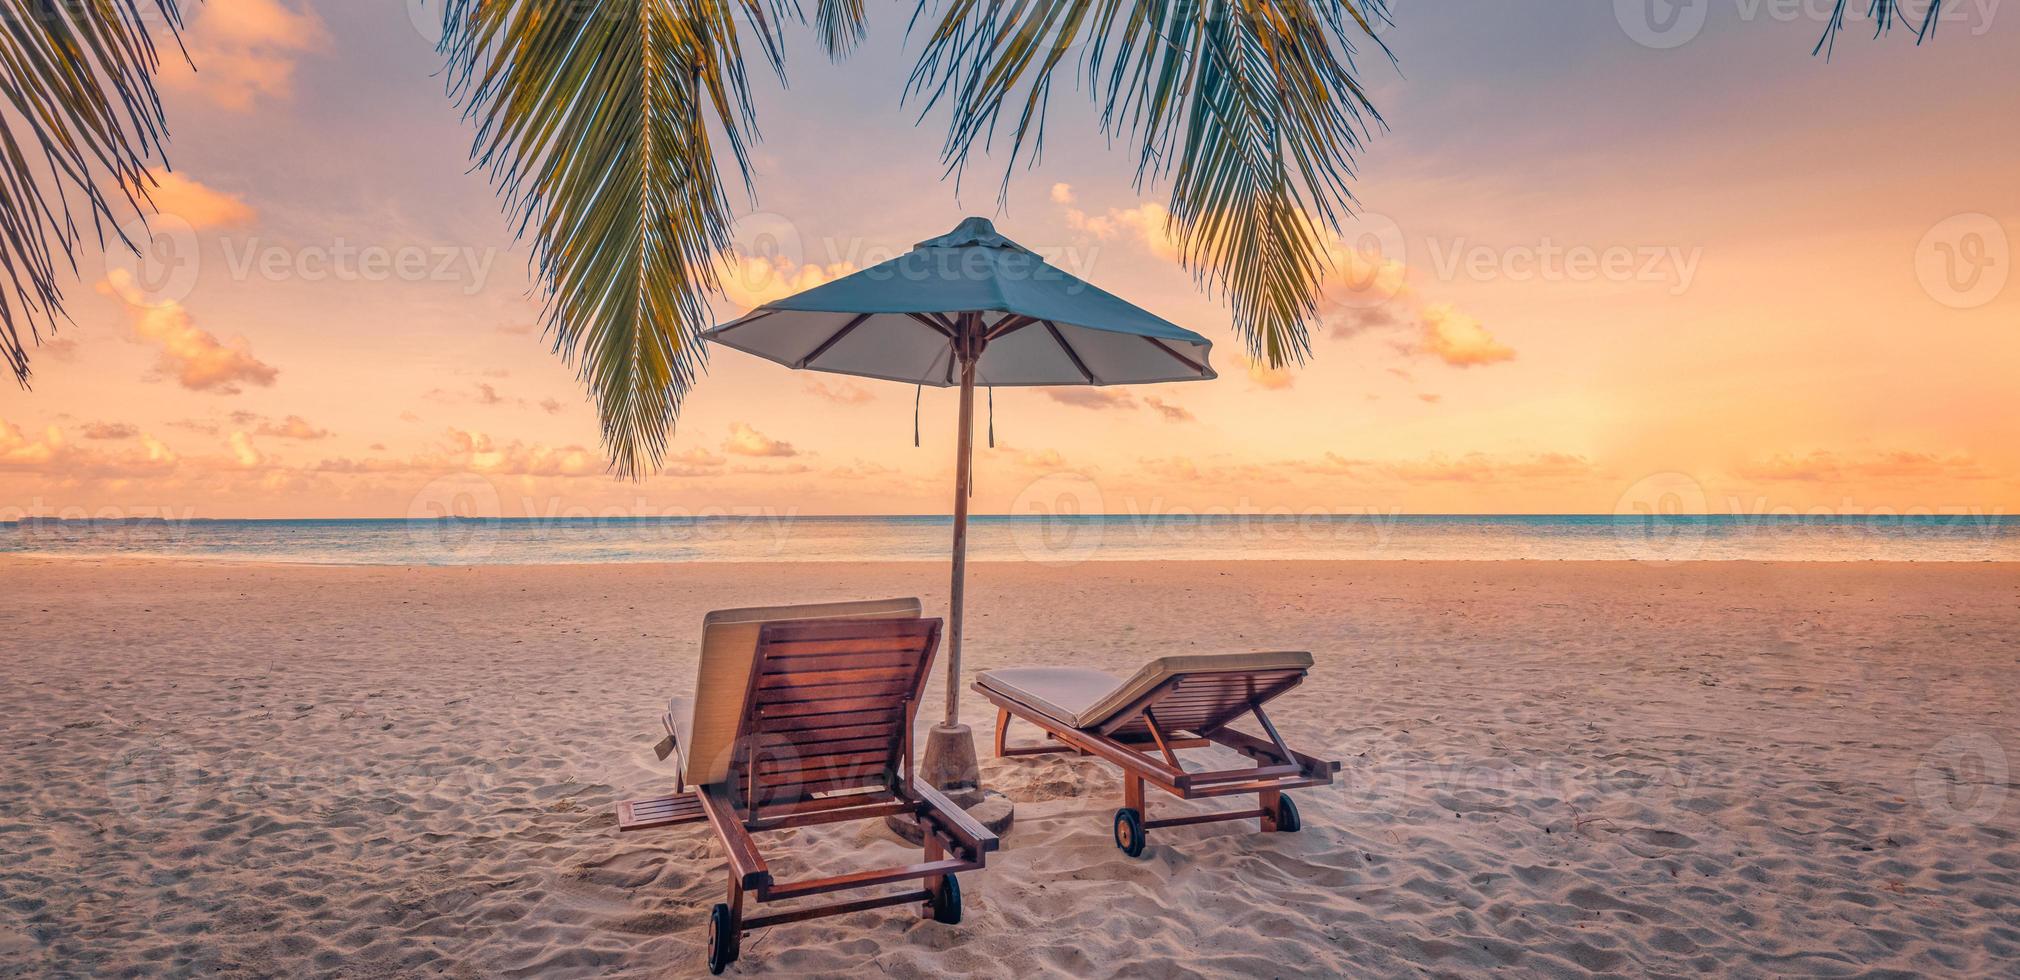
{"points": [[828, 693], [1197, 715]]}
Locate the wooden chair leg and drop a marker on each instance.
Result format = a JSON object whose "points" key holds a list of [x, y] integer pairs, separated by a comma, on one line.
{"points": [[1132, 794], [934, 852], [1002, 729], [1268, 800]]}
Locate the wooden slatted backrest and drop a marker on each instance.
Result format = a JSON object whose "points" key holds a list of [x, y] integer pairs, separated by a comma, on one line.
{"points": [[830, 706], [1206, 701]]}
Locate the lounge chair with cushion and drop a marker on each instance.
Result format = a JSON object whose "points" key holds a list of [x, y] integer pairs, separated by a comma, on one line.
{"points": [[802, 715], [1142, 722]]}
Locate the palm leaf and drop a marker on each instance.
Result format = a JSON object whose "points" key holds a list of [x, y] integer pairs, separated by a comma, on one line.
{"points": [[1251, 107], [594, 120], [78, 76]]}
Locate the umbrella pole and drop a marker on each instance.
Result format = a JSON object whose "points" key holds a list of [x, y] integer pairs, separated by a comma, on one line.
{"points": [[964, 461]]}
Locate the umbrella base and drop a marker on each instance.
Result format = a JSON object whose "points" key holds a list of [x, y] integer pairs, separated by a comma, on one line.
{"points": [[950, 766]]}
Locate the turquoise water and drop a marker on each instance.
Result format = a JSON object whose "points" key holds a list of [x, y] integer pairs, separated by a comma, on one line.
{"points": [[1057, 540]]}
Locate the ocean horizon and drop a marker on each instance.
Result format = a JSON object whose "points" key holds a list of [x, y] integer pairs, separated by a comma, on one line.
{"points": [[1043, 539]]}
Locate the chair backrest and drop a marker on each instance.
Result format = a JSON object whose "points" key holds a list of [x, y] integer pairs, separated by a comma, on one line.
{"points": [[722, 677], [1196, 693], [830, 707]]}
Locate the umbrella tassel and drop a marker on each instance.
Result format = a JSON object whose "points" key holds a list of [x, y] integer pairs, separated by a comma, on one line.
{"points": [[917, 391]]}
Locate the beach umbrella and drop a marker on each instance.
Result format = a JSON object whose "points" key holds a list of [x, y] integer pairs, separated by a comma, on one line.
{"points": [[969, 308]]}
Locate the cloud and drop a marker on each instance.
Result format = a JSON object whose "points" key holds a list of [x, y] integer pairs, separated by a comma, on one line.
{"points": [[292, 427], [1096, 398], [1147, 223], [246, 51], [1429, 398], [60, 349], [1823, 466], [110, 430], [751, 281], [841, 392], [518, 329], [746, 441], [1175, 468], [201, 206], [550, 406], [20, 451], [1062, 193], [197, 359], [1458, 339], [488, 395], [1170, 412], [1269, 378], [243, 451], [1483, 468]]}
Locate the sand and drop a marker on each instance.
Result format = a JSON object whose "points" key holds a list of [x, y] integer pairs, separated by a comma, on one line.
{"points": [[1551, 769]]}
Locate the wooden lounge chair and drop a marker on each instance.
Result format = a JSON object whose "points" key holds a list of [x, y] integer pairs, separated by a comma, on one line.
{"points": [[1142, 723], [803, 715]]}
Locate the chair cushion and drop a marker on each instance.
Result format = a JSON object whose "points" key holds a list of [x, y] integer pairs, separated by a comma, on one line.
{"points": [[722, 677], [1058, 693], [1084, 698]]}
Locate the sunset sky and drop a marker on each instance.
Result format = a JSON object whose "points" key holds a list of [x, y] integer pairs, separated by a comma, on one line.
{"points": [[1593, 275]]}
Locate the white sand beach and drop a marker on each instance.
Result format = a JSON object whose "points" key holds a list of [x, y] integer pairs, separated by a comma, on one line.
{"points": [[1550, 769]]}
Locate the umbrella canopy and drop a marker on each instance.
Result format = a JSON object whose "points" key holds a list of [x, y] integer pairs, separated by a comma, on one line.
{"points": [[899, 321], [968, 308]]}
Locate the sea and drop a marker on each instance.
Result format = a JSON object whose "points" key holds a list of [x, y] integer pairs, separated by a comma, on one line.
{"points": [[1057, 540]]}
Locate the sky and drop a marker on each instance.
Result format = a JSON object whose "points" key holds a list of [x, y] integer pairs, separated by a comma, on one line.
{"points": [[1610, 258]]}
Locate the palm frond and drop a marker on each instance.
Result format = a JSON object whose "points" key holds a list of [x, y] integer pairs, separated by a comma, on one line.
{"points": [[594, 120], [1252, 107], [840, 24], [78, 77], [1885, 14]]}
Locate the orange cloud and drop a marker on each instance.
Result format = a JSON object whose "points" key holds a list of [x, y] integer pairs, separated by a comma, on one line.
{"points": [[1823, 466], [1170, 412], [292, 427], [1483, 468], [746, 441], [246, 51], [201, 206], [1269, 378], [1458, 339], [753, 280], [110, 430], [197, 359], [841, 392], [1097, 398]]}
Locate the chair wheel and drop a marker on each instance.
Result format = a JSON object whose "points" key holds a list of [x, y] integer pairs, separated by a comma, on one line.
{"points": [[1129, 833], [947, 901], [723, 937], [1287, 816]]}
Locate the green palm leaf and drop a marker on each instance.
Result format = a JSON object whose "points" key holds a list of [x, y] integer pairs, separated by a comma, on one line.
{"points": [[78, 77], [1252, 107], [594, 119]]}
